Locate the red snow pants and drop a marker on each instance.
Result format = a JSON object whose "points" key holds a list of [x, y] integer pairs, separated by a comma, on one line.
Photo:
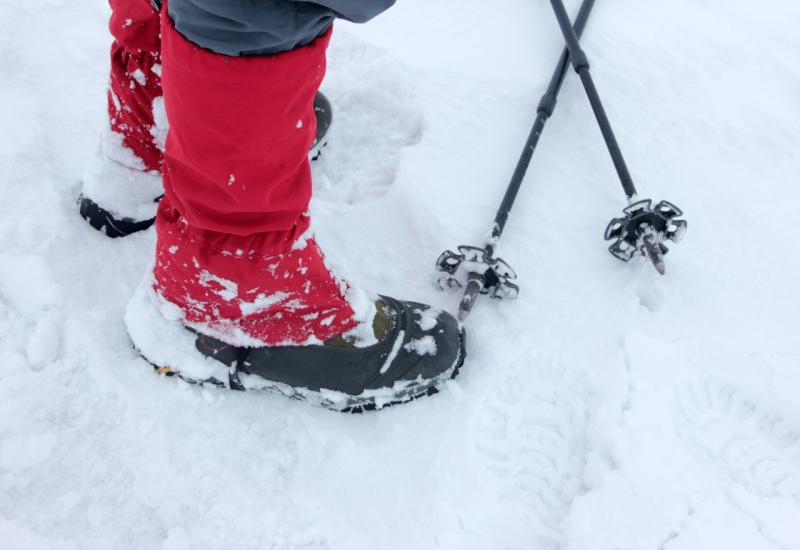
{"points": [[234, 248]]}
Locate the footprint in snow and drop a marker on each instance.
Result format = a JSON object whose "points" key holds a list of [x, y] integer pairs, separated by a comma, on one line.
{"points": [[375, 117], [757, 447], [532, 435]]}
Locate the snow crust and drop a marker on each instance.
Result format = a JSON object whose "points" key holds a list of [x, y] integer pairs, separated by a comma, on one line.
{"points": [[608, 408]]}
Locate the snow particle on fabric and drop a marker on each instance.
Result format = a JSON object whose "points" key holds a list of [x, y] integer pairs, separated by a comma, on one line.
{"points": [[302, 240], [262, 302], [139, 77], [161, 124], [328, 321], [228, 291]]}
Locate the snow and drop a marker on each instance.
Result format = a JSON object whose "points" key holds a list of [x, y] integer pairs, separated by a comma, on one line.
{"points": [[112, 162], [161, 127], [427, 318], [607, 408], [264, 301], [21, 452], [226, 289], [422, 346], [398, 343], [139, 76]]}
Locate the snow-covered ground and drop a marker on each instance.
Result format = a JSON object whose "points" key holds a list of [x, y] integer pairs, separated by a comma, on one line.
{"points": [[607, 408]]}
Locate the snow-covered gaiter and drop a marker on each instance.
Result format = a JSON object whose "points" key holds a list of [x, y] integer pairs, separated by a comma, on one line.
{"points": [[234, 252]]}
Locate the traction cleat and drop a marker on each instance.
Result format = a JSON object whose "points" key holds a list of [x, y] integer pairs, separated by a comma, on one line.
{"points": [[643, 230]]}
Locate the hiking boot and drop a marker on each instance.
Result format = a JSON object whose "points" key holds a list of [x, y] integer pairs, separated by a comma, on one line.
{"points": [[410, 351], [240, 294]]}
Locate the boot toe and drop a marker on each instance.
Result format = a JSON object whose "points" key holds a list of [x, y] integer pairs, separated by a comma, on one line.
{"points": [[429, 346]]}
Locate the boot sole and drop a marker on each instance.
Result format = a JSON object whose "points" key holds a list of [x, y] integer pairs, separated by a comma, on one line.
{"points": [[371, 400]]}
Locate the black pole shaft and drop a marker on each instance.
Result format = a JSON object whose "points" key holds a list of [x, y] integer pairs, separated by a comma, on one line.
{"points": [[581, 64], [545, 110]]}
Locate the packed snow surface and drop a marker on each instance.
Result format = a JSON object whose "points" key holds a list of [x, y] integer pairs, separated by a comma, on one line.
{"points": [[607, 408]]}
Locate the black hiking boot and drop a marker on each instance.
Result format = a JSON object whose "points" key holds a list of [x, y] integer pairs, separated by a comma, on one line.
{"points": [[416, 349]]}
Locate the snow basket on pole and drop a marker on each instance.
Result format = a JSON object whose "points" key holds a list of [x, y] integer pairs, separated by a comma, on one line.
{"points": [[475, 269], [643, 229]]}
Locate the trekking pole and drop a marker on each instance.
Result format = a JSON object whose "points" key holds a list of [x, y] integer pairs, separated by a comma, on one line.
{"points": [[475, 268], [643, 228]]}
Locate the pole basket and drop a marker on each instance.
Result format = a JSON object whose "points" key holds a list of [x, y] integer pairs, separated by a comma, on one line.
{"points": [[643, 231], [471, 262]]}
